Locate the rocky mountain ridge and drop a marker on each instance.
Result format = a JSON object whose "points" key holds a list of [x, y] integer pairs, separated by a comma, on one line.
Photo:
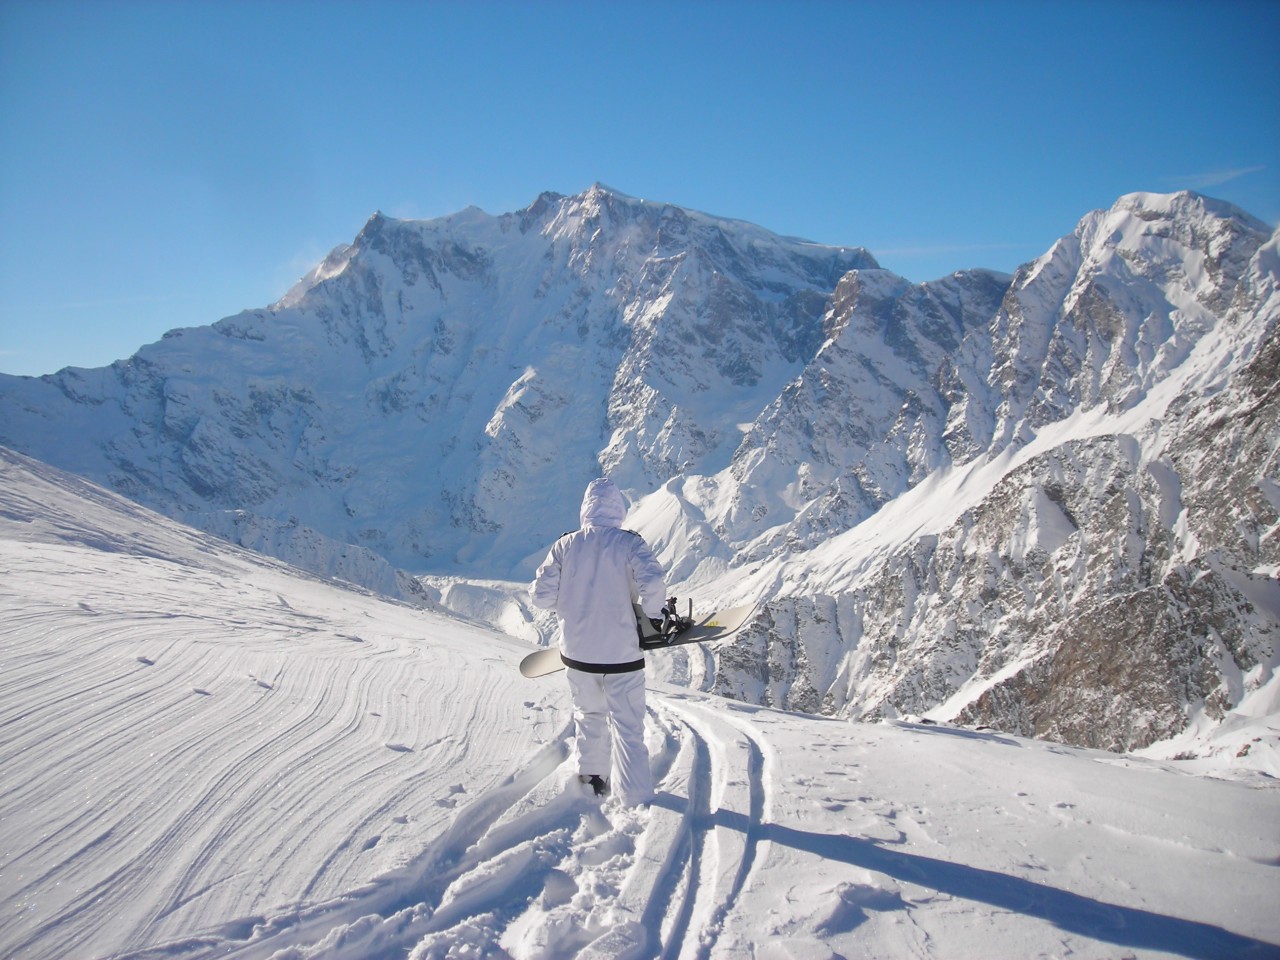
{"points": [[438, 392], [1112, 581], [1045, 502]]}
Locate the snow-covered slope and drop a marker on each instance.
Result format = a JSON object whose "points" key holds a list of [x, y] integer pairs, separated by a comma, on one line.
{"points": [[1048, 502], [206, 754]]}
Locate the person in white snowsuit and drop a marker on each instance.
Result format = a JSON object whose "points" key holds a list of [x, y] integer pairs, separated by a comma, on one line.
{"points": [[590, 579]]}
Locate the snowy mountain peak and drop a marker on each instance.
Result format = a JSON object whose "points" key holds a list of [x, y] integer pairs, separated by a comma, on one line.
{"points": [[600, 192], [1186, 205], [331, 266], [942, 492], [425, 383]]}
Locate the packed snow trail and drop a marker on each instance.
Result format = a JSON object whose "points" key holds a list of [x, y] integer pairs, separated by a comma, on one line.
{"points": [[208, 754]]}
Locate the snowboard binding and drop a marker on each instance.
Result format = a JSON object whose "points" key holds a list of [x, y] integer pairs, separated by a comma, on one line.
{"points": [[662, 632]]}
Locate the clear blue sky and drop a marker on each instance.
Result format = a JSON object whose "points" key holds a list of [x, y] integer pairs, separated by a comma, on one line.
{"points": [[166, 164]]}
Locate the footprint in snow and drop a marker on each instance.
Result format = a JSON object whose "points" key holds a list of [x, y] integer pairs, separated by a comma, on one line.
{"points": [[558, 888], [451, 801]]}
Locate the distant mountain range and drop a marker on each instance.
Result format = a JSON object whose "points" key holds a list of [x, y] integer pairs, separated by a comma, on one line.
{"points": [[1047, 503]]}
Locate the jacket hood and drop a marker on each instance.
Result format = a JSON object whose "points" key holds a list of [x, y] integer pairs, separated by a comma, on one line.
{"points": [[603, 505]]}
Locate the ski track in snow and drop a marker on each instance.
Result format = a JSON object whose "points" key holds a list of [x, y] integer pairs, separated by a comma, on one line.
{"points": [[206, 754], [660, 876]]}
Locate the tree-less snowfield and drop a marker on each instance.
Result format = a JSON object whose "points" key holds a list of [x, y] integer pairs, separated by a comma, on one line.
{"points": [[206, 753]]}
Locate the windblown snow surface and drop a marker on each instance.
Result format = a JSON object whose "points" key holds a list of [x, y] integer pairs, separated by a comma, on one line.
{"points": [[206, 753]]}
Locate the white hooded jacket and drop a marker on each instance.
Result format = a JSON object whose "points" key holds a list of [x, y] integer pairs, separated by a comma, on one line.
{"points": [[591, 576]]}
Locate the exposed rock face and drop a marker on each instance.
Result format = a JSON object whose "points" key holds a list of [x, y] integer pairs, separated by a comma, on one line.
{"points": [[1110, 584]]}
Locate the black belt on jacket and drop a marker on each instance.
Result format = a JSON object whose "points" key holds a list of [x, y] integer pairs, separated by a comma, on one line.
{"points": [[603, 667]]}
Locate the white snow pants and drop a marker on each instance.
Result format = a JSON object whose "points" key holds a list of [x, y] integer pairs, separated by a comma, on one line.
{"points": [[609, 708]]}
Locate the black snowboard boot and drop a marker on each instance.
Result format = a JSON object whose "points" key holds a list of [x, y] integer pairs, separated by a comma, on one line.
{"points": [[598, 783]]}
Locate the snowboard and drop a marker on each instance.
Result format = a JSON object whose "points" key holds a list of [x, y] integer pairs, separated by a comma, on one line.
{"points": [[714, 626]]}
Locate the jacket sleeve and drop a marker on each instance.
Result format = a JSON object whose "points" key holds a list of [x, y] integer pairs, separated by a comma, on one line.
{"points": [[649, 579], [545, 589]]}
